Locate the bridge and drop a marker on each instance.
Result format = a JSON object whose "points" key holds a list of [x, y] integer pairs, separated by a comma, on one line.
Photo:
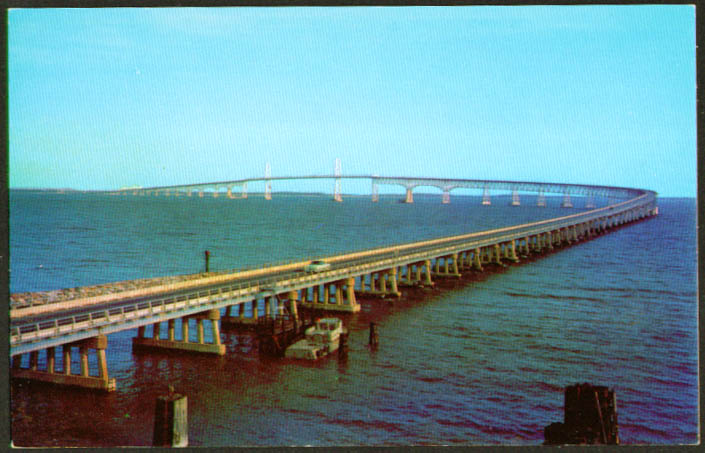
{"points": [[445, 185], [208, 301]]}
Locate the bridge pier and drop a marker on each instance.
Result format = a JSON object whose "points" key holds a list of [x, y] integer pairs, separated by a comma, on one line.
{"points": [[511, 251], [515, 198], [343, 300], [382, 278], [547, 241], [406, 275], [409, 196], [241, 321], [541, 200], [486, 197], [477, 259], [566, 201], [65, 377], [497, 254], [142, 342], [448, 260]]}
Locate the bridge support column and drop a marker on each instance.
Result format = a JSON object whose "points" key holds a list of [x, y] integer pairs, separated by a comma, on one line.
{"points": [[293, 300], [409, 196], [316, 295], [143, 343], [268, 306], [512, 251], [350, 290], [566, 201], [170, 335], [427, 281], [497, 251], [525, 250], [486, 197], [541, 200], [477, 260], [326, 294], [406, 278], [461, 261], [85, 380], [394, 291], [447, 271], [343, 292], [232, 321], [515, 198], [446, 197], [388, 276], [548, 240]]}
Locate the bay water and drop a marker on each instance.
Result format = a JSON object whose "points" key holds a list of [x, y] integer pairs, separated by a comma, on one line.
{"points": [[480, 361]]}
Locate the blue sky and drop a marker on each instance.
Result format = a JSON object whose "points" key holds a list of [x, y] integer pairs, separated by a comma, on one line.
{"points": [[105, 98]]}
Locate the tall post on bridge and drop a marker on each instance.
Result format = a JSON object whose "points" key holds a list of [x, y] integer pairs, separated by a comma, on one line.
{"points": [[337, 195], [375, 191], [244, 189], [267, 182]]}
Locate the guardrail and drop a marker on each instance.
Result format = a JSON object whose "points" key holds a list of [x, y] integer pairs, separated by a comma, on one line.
{"points": [[32, 336]]}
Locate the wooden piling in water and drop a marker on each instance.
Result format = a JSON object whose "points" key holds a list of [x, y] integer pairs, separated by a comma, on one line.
{"points": [[171, 421], [374, 337], [590, 417]]}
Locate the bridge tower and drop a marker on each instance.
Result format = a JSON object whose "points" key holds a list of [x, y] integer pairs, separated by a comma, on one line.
{"points": [[337, 195], [375, 191], [244, 189], [267, 182], [486, 197]]}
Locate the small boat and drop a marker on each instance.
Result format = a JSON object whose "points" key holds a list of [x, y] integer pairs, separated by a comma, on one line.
{"points": [[320, 340]]}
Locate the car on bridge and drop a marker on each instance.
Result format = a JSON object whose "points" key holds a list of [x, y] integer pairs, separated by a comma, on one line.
{"points": [[317, 266]]}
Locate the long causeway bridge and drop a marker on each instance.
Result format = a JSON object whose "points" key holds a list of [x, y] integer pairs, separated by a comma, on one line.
{"points": [[193, 308]]}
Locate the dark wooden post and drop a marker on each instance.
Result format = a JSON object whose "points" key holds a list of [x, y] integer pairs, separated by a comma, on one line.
{"points": [[374, 337], [590, 417], [171, 421]]}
